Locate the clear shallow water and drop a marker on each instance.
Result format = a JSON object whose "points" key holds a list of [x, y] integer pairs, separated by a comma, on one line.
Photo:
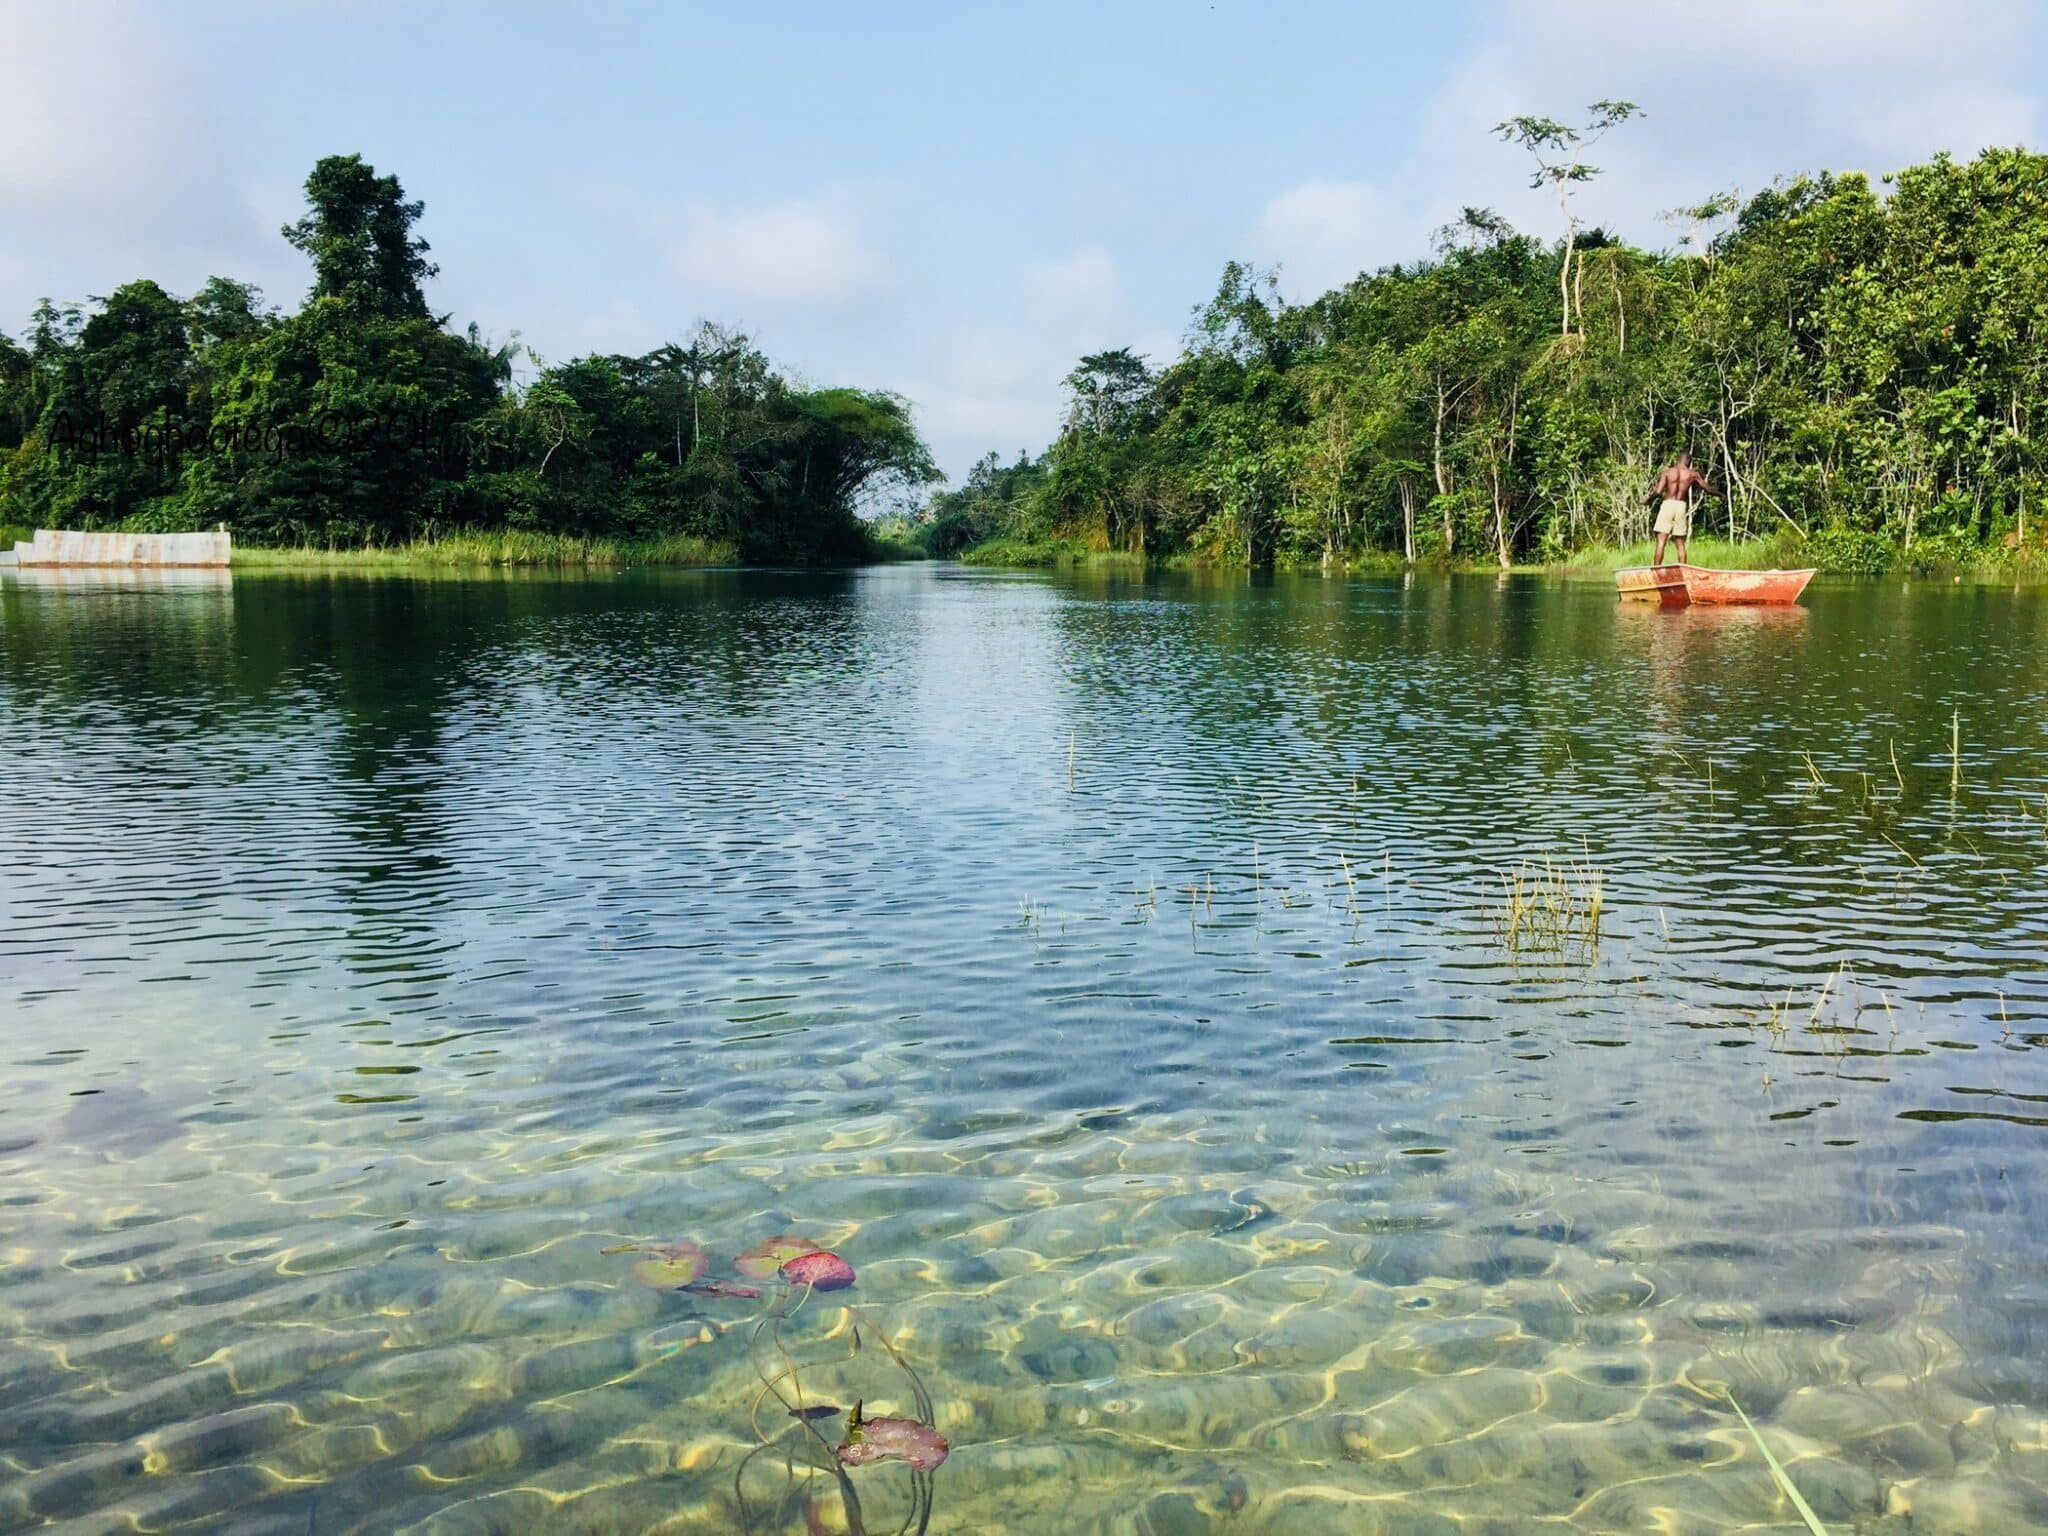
{"points": [[376, 952]]}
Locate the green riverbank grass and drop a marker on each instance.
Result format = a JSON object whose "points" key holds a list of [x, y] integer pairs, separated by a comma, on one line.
{"points": [[509, 547], [1025, 553], [1780, 553], [1043, 552], [890, 547], [1783, 551], [504, 547]]}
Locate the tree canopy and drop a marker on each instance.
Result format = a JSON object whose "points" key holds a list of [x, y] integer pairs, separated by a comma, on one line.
{"points": [[1865, 375], [362, 418]]}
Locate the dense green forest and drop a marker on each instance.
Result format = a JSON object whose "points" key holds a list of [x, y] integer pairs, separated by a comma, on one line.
{"points": [[362, 419], [1865, 374]]}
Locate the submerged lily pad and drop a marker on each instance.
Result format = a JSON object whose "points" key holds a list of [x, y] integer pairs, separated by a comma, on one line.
{"points": [[821, 1271], [905, 1440], [724, 1288], [763, 1259], [670, 1266]]}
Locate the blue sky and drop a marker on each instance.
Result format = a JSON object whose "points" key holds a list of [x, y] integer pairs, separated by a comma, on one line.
{"points": [[953, 201]]}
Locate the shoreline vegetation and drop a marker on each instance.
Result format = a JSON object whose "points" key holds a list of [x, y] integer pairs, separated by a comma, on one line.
{"points": [[470, 549], [456, 551], [363, 422], [1598, 561], [1863, 371], [509, 548]]}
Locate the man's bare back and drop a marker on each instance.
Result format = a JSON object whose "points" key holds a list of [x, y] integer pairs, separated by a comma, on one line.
{"points": [[1677, 482], [1672, 494]]}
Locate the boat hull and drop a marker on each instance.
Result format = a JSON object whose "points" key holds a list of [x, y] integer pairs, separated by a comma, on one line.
{"points": [[1677, 585], [1705, 585]]}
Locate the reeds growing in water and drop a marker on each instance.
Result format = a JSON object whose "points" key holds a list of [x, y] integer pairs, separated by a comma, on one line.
{"points": [[1552, 908]]}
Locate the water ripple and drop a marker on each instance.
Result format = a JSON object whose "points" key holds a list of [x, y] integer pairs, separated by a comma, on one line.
{"points": [[1112, 969]]}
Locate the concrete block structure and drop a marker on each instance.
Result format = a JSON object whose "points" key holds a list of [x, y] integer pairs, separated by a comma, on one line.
{"points": [[148, 550]]}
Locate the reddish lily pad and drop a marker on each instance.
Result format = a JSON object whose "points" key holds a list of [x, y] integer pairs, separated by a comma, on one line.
{"points": [[763, 1259], [671, 1266], [821, 1271], [905, 1440]]}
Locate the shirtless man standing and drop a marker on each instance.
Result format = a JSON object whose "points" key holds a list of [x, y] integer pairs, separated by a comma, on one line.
{"points": [[1674, 513]]}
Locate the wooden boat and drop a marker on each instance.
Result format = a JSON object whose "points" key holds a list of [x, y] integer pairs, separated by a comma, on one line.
{"points": [[1676, 585]]}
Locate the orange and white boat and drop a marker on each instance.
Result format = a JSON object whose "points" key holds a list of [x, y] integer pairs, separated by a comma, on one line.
{"points": [[1676, 585]]}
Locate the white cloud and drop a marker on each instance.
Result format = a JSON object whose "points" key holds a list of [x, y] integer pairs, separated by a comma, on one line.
{"points": [[810, 251], [994, 383], [1081, 290], [1324, 233], [113, 161]]}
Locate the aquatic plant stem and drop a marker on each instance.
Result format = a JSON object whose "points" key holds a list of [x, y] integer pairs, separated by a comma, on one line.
{"points": [[920, 1482], [1805, 1510], [771, 1322]]}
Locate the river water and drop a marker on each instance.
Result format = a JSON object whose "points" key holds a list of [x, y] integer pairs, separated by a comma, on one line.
{"points": [[1124, 976]]}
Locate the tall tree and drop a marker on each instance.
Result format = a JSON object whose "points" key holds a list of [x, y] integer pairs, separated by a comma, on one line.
{"points": [[358, 230], [1555, 148]]}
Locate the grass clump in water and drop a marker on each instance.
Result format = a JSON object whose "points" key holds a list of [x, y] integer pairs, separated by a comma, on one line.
{"points": [[1551, 909]]}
